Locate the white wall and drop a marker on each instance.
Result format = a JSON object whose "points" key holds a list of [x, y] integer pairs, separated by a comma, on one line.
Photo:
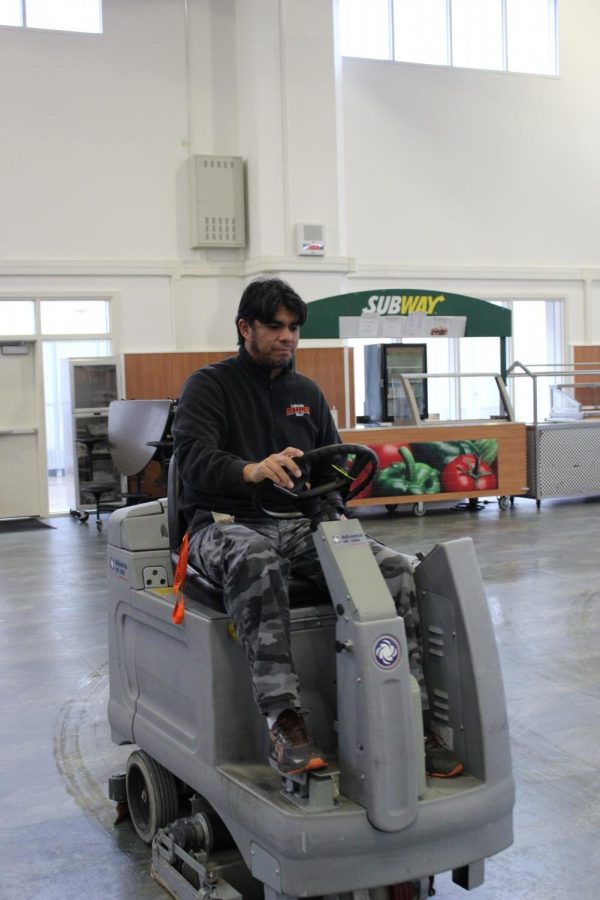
{"points": [[455, 166], [93, 131], [478, 183]]}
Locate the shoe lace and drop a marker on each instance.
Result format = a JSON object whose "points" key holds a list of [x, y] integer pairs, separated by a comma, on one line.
{"points": [[293, 727], [433, 742]]}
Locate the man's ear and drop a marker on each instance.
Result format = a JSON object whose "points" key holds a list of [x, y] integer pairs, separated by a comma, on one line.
{"points": [[243, 328]]}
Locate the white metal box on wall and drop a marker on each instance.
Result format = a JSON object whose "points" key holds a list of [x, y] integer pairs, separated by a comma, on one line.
{"points": [[310, 240], [216, 192]]}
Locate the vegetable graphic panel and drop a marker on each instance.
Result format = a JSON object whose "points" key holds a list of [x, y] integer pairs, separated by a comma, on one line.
{"points": [[434, 467]]}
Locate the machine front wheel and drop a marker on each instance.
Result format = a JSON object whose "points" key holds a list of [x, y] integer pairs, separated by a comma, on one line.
{"points": [[151, 795], [410, 890]]}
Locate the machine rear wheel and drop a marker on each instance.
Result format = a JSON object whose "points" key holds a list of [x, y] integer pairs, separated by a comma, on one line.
{"points": [[372, 894], [152, 795]]}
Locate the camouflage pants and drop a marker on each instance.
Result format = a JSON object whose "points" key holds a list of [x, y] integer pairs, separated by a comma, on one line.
{"points": [[252, 563]]}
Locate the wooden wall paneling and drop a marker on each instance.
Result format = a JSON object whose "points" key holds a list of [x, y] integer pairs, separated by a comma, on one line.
{"points": [[144, 371], [587, 357], [150, 376], [325, 365]]}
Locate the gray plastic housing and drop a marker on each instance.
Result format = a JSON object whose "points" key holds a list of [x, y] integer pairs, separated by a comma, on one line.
{"points": [[183, 694]]}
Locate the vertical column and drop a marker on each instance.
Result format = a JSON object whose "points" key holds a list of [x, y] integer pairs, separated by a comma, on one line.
{"points": [[288, 121]]}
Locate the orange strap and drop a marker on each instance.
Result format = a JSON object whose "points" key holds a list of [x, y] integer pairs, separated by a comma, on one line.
{"points": [[179, 580]]}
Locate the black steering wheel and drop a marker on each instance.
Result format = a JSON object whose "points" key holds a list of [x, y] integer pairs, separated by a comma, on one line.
{"points": [[347, 469]]}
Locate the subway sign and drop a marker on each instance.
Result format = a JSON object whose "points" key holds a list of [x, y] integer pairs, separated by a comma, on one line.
{"points": [[483, 319], [402, 304]]}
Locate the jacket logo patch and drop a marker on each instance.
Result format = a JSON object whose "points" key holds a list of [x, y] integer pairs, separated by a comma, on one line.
{"points": [[297, 409]]}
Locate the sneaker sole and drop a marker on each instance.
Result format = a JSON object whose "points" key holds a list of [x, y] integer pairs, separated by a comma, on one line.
{"points": [[312, 765], [457, 770]]}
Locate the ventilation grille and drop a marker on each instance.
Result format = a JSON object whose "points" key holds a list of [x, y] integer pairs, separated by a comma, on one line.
{"points": [[216, 188], [220, 230], [441, 705], [435, 641]]}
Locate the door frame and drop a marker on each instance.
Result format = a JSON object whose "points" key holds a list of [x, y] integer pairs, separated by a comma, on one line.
{"points": [[38, 423]]}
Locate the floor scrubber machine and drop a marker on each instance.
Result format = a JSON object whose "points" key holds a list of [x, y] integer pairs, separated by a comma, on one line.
{"points": [[222, 822]]}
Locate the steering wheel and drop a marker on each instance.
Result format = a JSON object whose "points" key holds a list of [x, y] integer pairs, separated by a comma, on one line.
{"points": [[351, 468]]}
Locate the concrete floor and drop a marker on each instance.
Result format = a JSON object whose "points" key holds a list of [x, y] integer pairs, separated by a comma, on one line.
{"points": [[57, 837]]}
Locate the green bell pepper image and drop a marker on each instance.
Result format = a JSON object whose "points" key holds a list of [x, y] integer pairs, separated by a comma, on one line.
{"points": [[406, 477]]}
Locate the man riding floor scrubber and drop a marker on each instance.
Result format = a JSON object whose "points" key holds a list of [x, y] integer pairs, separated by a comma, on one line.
{"points": [[225, 824]]}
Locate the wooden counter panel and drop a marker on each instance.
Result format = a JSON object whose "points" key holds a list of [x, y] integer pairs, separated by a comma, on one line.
{"points": [[512, 454]]}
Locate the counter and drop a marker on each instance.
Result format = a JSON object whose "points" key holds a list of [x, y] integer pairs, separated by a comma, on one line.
{"points": [[444, 461]]}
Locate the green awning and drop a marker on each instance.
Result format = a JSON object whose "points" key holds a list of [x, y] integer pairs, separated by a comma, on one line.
{"points": [[484, 319]]}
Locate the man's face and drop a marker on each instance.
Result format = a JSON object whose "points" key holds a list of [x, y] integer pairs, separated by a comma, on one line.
{"points": [[272, 344]]}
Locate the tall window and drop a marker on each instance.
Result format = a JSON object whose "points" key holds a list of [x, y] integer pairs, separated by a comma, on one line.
{"points": [[55, 15], [505, 35]]}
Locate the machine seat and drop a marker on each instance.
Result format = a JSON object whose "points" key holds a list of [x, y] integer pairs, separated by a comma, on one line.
{"points": [[302, 592]]}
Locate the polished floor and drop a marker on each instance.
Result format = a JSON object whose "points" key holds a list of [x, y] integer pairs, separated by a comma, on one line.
{"points": [[540, 567]]}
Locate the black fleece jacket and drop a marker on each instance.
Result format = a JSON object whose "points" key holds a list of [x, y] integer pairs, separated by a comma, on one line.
{"points": [[233, 413]]}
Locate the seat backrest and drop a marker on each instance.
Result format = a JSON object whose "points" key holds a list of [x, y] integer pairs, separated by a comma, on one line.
{"points": [[132, 424], [197, 586]]}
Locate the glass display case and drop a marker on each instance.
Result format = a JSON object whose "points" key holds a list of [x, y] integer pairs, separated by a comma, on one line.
{"points": [[488, 394]]}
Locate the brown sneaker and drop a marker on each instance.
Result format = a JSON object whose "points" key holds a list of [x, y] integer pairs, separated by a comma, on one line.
{"points": [[440, 760], [291, 748]]}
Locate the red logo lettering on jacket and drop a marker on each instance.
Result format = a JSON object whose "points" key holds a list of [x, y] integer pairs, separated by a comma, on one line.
{"points": [[297, 409]]}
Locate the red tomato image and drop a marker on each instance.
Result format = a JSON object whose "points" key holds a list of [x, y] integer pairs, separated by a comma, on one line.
{"points": [[387, 454], [468, 473], [366, 492]]}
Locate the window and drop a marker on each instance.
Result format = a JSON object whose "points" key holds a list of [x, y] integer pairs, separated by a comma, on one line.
{"points": [[17, 317], [365, 28], [420, 32], [537, 341], [505, 35], [74, 316], [59, 15]]}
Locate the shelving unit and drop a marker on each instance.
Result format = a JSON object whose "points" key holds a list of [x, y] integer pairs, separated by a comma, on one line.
{"points": [[94, 383]]}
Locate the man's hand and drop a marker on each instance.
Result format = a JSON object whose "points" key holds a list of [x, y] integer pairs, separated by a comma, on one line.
{"points": [[276, 467]]}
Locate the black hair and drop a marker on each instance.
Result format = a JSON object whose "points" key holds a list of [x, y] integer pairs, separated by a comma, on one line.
{"points": [[261, 299]]}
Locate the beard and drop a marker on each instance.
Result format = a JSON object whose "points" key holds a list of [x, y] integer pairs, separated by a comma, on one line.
{"points": [[267, 360]]}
